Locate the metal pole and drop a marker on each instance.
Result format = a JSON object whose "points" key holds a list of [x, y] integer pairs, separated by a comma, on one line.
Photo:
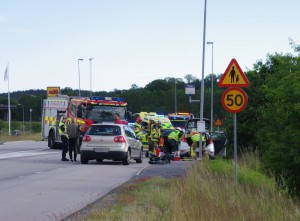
{"points": [[235, 147], [30, 110], [91, 76], [80, 59], [23, 122], [202, 81], [212, 86], [175, 98]]}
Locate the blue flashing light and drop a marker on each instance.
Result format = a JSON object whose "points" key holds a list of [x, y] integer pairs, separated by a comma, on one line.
{"points": [[97, 98]]}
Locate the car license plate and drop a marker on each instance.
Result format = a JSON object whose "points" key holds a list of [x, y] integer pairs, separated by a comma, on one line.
{"points": [[101, 150]]}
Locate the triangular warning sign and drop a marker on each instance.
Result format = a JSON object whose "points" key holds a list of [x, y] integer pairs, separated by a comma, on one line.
{"points": [[233, 76]]}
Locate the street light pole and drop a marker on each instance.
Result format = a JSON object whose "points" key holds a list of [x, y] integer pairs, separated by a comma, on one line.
{"points": [[23, 119], [80, 59], [202, 81], [30, 110], [212, 85], [175, 98], [91, 76]]}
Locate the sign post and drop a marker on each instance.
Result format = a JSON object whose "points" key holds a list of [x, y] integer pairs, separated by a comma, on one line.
{"points": [[234, 99]]}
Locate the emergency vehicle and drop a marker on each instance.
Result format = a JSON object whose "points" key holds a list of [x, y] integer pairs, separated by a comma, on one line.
{"points": [[84, 111], [179, 119], [165, 125]]}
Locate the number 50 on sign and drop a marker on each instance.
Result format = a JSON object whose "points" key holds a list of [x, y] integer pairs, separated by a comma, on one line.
{"points": [[234, 100]]}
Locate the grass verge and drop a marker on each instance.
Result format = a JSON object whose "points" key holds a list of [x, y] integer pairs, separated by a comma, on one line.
{"points": [[33, 136], [208, 192]]}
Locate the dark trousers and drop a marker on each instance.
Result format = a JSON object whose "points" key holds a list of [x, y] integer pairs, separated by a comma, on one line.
{"points": [[65, 146], [72, 145], [173, 145]]}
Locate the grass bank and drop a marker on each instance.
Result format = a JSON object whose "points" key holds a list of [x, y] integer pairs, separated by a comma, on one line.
{"points": [[20, 137], [208, 192]]}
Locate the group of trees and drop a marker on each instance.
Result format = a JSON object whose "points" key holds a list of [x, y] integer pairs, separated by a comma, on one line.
{"points": [[269, 125]]}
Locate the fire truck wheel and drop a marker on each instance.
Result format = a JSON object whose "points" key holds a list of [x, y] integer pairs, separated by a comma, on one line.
{"points": [[51, 141]]}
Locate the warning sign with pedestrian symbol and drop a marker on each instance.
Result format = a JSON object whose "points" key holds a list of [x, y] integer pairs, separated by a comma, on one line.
{"points": [[233, 76]]}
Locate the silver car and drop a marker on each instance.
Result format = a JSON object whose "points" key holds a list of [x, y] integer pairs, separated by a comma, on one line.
{"points": [[111, 141]]}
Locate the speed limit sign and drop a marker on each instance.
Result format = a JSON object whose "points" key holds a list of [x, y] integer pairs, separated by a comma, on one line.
{"points": [[234, 100]]}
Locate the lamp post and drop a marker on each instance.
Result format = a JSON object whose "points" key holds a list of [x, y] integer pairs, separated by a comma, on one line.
{"points": [[202, 81], [212, 85], [30, 110], [175, 98], [80, 59], [23, 118], [90, 59]]}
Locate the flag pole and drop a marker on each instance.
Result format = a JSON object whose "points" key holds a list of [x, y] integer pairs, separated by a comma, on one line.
{"points": [[6, 77]]}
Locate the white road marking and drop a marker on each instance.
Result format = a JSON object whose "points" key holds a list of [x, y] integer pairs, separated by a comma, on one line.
{"points": [[23, 154]]}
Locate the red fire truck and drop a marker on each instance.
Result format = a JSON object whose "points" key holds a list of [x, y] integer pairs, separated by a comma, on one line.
{"points": [[84, 111]]}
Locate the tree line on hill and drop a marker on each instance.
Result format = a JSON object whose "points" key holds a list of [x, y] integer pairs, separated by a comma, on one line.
{"points": [[269, 125]]}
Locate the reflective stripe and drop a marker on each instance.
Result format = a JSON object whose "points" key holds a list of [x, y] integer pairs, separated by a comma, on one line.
{"points": [[50, 120]]}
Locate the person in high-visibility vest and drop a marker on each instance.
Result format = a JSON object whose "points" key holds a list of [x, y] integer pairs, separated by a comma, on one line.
{"points": [[173, 140], [155, 134], [149, 129], [138, 129], [195, 137], [62, 130]]}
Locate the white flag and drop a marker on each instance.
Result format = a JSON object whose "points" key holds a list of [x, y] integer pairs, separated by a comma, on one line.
{"points": [[6, 74]]}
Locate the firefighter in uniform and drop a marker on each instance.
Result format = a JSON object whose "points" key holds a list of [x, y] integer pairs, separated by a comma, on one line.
{"points": [[195, 137], [62, 130], [155, 134], [138, 129], [173, 140], [149, 129]]}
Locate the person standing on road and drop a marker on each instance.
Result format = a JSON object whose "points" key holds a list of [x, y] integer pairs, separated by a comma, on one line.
{"points": [[149, 130], [138, 129], [62, 130], [73, 132]]}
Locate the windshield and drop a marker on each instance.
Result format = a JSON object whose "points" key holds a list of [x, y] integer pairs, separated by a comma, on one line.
{"points": [[180, 124], [105, 113]]}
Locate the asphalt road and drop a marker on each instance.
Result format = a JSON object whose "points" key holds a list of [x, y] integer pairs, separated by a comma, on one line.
{"points": [[175, 169], [36, 185]]}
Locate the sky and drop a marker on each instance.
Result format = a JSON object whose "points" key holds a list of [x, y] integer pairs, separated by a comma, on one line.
{"points": [[136, 41]]}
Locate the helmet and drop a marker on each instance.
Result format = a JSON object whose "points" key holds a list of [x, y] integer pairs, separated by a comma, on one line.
{"points": [[194, 130], [159, 121], [139, 119], [151, 118], [178, 128]]}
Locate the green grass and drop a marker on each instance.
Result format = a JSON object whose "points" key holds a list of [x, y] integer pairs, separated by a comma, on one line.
{"points": [[33, 136], [208, 192]]}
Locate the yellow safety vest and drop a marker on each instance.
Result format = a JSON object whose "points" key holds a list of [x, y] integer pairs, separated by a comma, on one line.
{"points": [[60, 130], [137, 129], [174, 135]]}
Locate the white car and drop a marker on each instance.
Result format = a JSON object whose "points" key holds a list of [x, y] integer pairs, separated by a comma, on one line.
{"points": [[111, 141]]}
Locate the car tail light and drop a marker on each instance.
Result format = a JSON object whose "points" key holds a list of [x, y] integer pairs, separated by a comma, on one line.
{"points": [[119, 139], [210, 140], [183, 139], [86, 138]]}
